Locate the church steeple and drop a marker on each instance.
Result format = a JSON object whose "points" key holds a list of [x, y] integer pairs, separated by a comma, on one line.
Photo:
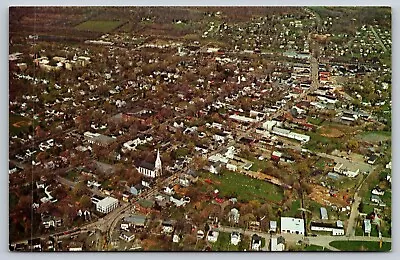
{"points": [[158, 165]]}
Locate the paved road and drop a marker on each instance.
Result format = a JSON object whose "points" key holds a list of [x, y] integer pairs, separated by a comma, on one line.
{"points": [[293, 238]]}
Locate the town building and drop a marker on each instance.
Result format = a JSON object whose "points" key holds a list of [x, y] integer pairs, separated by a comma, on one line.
{"points": [[99, 139], [292, 225], [107, 205]]}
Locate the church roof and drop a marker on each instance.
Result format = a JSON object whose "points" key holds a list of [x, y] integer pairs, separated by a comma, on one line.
{"points": [[147, 165]]}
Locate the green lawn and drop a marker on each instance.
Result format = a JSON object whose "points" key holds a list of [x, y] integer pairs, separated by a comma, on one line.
{"points": [[259, 165], [361, 246], [99, 26], [315, 121], [72, 175], [294, 209], [244, 188], [314, 248]]}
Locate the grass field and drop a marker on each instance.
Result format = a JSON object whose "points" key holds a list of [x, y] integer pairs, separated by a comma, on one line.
{"points": [[314, 248], [18, 124], [361, 246], [72, 175], [99, 26], [375, 136], [294, 209], [232, 184]]}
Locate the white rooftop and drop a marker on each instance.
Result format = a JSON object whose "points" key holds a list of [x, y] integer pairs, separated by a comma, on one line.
{"points": [[293, 224], [106, 201]]}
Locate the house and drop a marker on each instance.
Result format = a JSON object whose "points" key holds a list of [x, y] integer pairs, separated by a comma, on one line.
{"points": [[167, 227], [181, 202], [215, 168], [134, 221], [255, 225], [378, 191], [220, 137], [292, 225], [107, 205], [367, 226], [235, 238], [277, 244], [276, 156], [125, 196], [151, 170], [127, 236], [256, 242], [50, 221], [234, 215], [231, 167], [75, 246], [200, 234], [349, 170], [273, 226], [372, 159], [212, 236], [176, 238], [377, 199], [137, 189], [324, 213]]}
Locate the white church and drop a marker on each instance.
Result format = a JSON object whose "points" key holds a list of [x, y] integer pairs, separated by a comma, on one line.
{"points": [[151, 170]]}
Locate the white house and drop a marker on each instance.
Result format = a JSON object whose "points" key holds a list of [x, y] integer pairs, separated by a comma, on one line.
{"points": [[107, 205], [377, 191], [277, 244], [234, 215], [212, 236], [167, 227], [235, 238], [349, 170], [127, 236], [256, 242], [292, 225], [272, 226]]}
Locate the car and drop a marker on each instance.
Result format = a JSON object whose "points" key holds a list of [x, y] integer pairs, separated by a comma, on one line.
{"points": [[313, 235]]}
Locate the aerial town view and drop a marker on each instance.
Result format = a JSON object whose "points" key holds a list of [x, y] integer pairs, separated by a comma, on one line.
{"points": [[200, 128]]}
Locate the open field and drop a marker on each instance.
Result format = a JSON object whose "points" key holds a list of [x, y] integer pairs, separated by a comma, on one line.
{"points": [[361, 246], [99, 26], [232, 184], [18, 124], [375, 136]]}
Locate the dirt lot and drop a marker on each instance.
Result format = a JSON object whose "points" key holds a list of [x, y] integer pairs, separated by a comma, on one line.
{"points": [[321, 195], [331, 132]]}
